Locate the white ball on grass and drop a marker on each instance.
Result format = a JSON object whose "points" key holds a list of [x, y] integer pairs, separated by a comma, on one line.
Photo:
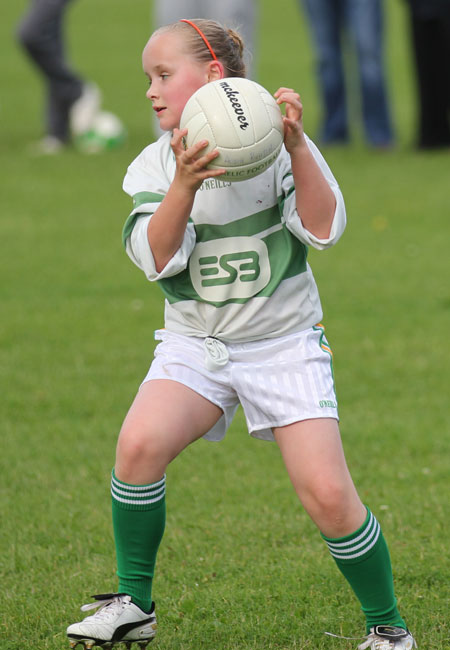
{"points": [[106, 132]]}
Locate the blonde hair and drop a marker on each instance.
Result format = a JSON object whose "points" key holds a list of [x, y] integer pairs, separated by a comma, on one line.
{"points": [[227, 44]]}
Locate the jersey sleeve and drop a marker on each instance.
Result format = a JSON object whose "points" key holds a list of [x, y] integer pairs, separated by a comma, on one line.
{"points": [[139, 251], [147, 180], [289, 210]]}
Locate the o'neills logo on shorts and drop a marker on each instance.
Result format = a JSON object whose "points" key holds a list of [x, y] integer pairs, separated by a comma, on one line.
{"points": [[231, 94]]}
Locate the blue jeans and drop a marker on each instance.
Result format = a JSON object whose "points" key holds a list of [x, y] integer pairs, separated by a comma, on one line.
{"points": [[362, 22]]}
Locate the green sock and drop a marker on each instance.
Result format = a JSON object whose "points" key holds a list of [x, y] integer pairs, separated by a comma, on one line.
{"points": [[363, 558], [139, 514]]}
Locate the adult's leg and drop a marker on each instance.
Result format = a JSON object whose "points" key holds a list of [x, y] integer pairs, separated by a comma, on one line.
{"points": [[326, 21], [365, 18], [41, 34], [315, 461], [164, 418], [430, 37]]}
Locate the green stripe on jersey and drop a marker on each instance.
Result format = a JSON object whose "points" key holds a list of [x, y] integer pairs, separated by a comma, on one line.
{"points": [[285, 258], [146, 197], [141, 198], [254, 224], [282, 199]]}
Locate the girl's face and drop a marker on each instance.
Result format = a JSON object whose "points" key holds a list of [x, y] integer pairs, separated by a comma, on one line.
{"points": [[174, 76]]}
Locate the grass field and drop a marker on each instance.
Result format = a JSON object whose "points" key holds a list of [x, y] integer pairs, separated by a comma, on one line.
{"points": [[241, 566]]}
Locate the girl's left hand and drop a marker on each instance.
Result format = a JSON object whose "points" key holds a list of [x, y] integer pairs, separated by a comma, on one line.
{"points": [[293, 122]]}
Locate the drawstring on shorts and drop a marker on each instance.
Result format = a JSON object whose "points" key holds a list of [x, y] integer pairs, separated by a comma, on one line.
{"points": [[216, 354]]}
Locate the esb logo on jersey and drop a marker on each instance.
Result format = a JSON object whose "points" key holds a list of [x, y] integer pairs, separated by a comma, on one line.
{"points": [[229, 268]]}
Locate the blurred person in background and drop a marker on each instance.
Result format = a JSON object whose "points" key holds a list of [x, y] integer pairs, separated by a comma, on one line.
{"points": [[71, 102], [237, 14], [430, 35], [334, 24]]}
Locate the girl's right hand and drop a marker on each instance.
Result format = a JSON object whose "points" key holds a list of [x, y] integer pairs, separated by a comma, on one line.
{"points": [[192, 166]]}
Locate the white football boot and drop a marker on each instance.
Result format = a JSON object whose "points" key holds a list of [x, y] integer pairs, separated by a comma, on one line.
{"points": [[117, 620], [388, 637]]}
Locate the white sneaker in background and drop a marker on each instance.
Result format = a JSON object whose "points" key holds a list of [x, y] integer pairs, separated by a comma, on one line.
{"points": [[49, 145], [84, 110]]}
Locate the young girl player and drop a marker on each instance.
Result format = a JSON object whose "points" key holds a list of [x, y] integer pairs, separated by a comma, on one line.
{"points": [[250, 337]]}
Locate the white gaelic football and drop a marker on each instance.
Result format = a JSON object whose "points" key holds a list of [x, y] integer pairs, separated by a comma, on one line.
{"points": [[106, 132], [241, 120]]}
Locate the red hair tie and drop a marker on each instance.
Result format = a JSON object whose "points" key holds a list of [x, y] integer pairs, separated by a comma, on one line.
{"points": [[192, 24]]}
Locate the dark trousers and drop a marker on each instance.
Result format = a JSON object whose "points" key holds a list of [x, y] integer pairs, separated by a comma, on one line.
{"points": [[431, 41], [41, 34]]}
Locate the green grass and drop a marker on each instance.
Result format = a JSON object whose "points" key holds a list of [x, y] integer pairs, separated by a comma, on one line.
{"points": [[241, 566]]}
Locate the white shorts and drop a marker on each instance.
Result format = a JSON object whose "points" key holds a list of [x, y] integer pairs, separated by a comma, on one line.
{"points": [[277, 381]]}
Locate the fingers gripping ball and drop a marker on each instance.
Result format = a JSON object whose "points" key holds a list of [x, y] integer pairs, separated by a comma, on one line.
{"points": [[241, 120]]}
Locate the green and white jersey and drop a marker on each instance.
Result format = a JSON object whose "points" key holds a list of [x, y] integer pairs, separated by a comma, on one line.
{"points": [[241, 272]]}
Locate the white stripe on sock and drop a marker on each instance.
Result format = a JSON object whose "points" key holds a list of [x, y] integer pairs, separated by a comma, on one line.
{"points": [[369, 538], [137, 497], [138, 488], [366, 532], [340, 556], [138, 494]]}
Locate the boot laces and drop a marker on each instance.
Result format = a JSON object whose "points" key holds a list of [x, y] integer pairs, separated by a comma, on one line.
{"points": [[108, 608], [375, 642]]}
